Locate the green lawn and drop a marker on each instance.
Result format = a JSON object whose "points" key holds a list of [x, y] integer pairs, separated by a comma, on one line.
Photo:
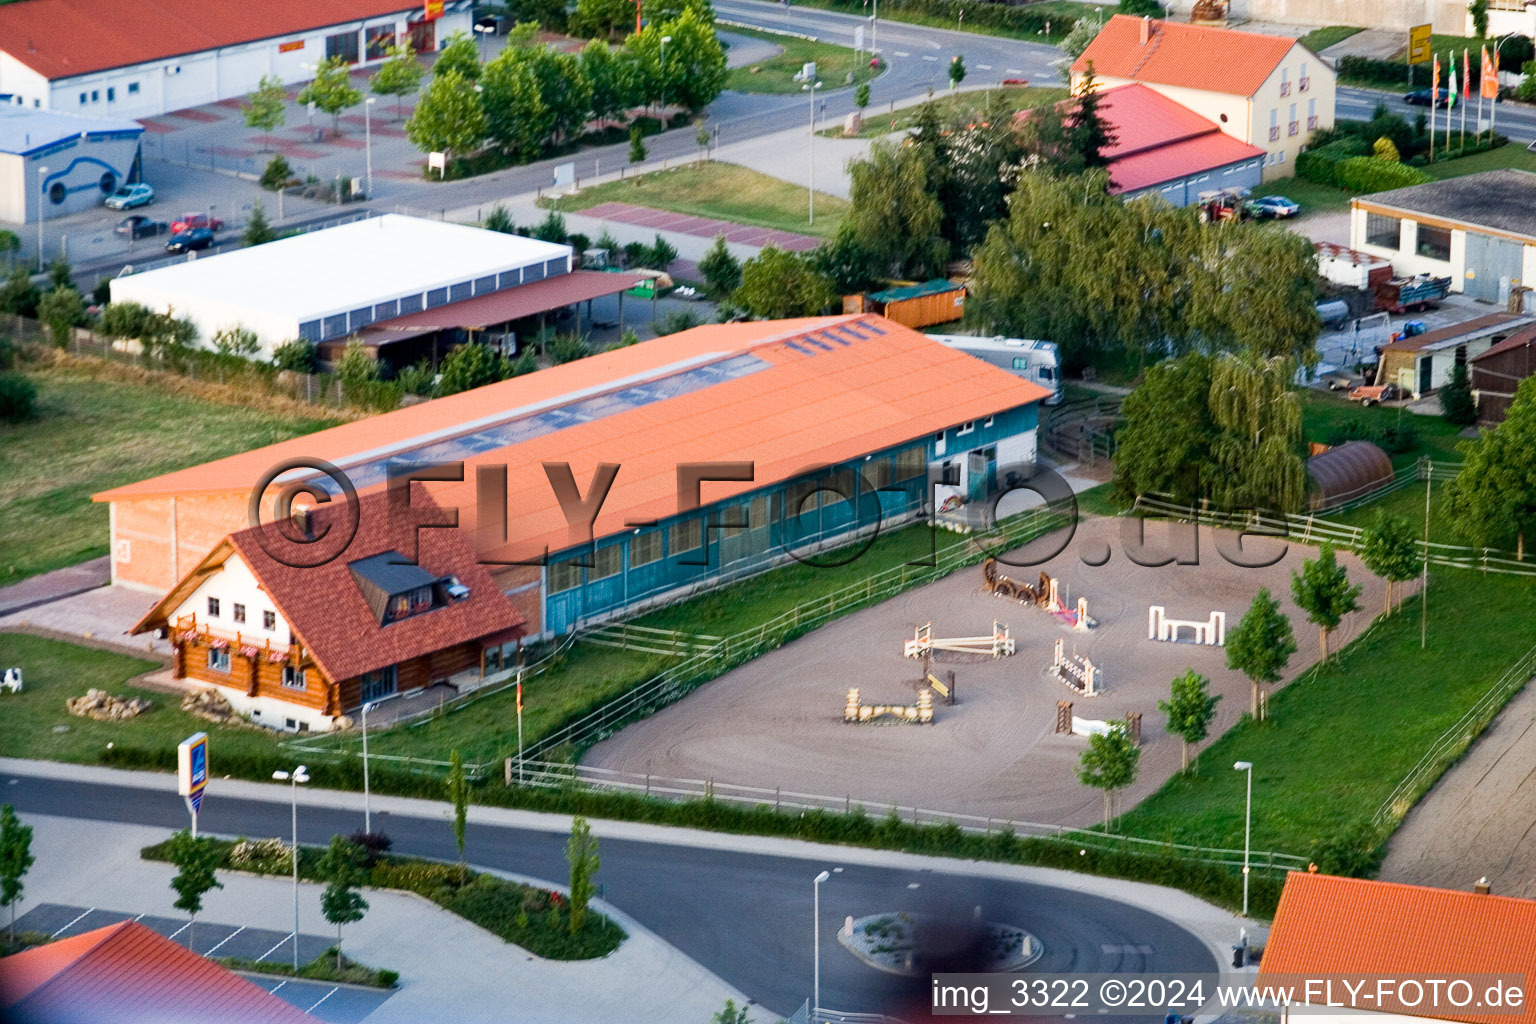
{"points": [[1323, 412], [951, 108], [776, 74], [91, 434], [1320, 39], [1338, 742], [719, 190]]}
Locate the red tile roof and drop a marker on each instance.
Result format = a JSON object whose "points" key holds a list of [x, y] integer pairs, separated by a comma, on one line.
{"points": [[127, 974], [810, 405], [63, 38], [326, 608], [1190, 56], [1330, 925]]}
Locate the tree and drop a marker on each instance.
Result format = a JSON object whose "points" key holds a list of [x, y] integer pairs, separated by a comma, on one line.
{"points": [[1254, 458], [257, 230], [845, 263], [895, 214], [1261, 645], [499, 220], [332, 91], [1089, 135], [1165, 444], [1253, 292], [1323, 591], [861, 95], [605, 74], [956, 71], [19, 295], [1141, 8], [731, 1014], [296, 356], [356, 369], [1492, 499], [341, 903], [581, 855], [980, 168], [10, 244], [59, 275], [268, 106], [601, 19], [458, 795], [1456, 402], [1110, 763], [15, 859], [458, 56], [721, 270], [236, 341], [636, 145], [701, 137], [690, 70], [563, 89], [516, 118], [1077, 40], [195, 861], [1478, 9], [776, 284], [277, 174], [62, 309], [1190, 708], [449, 118], [470, 366], [399, 75], [1388, 548]]}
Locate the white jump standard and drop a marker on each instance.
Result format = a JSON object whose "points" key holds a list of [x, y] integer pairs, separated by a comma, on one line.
{"points": [[1077, 671], [924, 642], [1212, 632]]}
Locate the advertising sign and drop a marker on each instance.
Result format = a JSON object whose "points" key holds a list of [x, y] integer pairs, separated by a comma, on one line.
{"points": [[1418, 44]]}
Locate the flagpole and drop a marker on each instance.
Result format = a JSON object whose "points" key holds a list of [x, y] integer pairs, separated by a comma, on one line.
{"points": [[1466, 88], [520, 726], [1434, 101]]}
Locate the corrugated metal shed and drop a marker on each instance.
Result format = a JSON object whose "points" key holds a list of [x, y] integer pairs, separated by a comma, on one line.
{"points": [[1348, 471]]}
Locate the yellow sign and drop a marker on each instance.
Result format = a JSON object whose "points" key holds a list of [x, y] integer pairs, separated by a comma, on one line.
{"points": [[1419, 48]]}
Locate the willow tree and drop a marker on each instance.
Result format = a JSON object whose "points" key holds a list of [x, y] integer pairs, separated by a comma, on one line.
{"points": [[1256, 460], [895, 214]]}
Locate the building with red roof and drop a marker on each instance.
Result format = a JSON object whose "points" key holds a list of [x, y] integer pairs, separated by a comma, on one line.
{"points": [[638, 474], [1264, 90], [127, 974], [1326, 925], [139, 58]]}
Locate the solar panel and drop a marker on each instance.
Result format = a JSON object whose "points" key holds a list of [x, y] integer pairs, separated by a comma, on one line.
{"points": [[811, 339], [797, 348]]}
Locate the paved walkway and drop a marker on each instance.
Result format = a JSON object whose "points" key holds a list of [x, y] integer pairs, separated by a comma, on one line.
{"points": [[102, 616], [50, 586], [449, 969], [700, 227]]}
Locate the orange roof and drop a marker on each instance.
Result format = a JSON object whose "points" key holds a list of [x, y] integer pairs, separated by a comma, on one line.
{"points": [[128, 974], [1189, 56], [812, 392], [1353, 926], [64, 38]]}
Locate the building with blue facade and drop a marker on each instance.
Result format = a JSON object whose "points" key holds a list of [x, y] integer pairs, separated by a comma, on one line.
{"points": [[52, 164]]}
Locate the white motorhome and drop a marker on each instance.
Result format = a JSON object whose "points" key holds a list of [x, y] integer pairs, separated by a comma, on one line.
{"points": [[1038, 362]]}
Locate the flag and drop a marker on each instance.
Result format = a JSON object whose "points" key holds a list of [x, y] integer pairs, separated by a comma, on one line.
{"points": [[1434, 82], [519, 696], [1450, 81], [1466, 74], [1490, 78]]}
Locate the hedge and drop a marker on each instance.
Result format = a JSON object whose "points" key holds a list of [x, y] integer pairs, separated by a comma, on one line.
{"points": [[1321, 164], [1368, 174]]}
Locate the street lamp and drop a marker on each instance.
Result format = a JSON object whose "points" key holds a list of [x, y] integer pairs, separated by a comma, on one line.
{"points": [[810, 148], [297, 777], [482, 31], [367, 798], [816, 942], [42, 195], [661, 67], [1246, 766], [368, 141]]}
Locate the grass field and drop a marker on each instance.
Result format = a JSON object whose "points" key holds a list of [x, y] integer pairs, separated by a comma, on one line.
{"points": [[950, 108], [1323, 412], [777, 74], [1320, 39], [91, 434], [1339, 741], [718, 190]]}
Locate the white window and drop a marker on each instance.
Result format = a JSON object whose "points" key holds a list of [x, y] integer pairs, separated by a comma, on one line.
{"points": [[966, 427]]}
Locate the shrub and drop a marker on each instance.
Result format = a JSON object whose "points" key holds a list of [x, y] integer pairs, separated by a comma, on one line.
{"points": [[499, 220], [1320, 163], [1369, 69], [551, 229], [662, 254], [278, 173], [372, 844], [677, 321], [18, 398], [267, 856], [568, 348], [297, 355], [1367, 174], [636, 254], [1396, 437], [1354, 853], [1138, 8], [1385, 149], [420, 379]]}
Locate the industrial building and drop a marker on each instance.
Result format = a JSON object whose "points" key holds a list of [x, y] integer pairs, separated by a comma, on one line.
{"points": [[644, 473], [1479, 229], [52, 164], [139, 58], [1423, 363], [389, 280]]}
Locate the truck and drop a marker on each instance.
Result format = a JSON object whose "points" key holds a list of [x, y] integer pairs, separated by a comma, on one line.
{"points": [[1400, 294], [1038, 362]]}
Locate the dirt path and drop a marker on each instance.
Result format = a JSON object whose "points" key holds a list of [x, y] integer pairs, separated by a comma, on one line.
{"points": [[1480, 819], [777, 721]]}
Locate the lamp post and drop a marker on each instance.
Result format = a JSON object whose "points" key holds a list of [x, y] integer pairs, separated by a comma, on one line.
{"points": [[874, 22], [297, 777], [661, 69], [42, 195], [816, 944], [1246, 766], [368, 142], [482, 31], [367, 799], [810, 148]]}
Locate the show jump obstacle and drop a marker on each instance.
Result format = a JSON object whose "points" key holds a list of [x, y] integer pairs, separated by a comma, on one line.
{"points": [[1077, 671], [923, 642], [1068, 723], [1212, 632], [1044, 594], [920, 713]]}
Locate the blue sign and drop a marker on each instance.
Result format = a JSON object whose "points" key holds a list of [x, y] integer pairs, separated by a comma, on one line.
{"points": [[199, 768]]}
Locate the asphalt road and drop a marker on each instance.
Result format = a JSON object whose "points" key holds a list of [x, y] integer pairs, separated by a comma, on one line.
{"points": [[746, 917], [1518, 121]]}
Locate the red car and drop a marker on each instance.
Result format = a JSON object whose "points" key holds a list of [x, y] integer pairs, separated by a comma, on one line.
{"points": [[188, 221]]}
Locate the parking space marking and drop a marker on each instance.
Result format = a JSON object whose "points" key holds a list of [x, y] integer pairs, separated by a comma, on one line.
{"points": [[901, 53], [225, 939], [929, 56], [275, 948], [1014, 71], [984, 67], [71, 924], [323, 998]]}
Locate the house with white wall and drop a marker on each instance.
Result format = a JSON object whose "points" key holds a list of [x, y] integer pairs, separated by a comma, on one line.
{"points": [[1268, 91]]}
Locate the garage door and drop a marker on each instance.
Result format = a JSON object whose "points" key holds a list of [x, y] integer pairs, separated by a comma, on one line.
{"points": [[1491, 259]]}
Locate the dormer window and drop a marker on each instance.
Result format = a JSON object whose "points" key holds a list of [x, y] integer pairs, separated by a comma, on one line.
{"points": [[412, 602], [397, 589]]}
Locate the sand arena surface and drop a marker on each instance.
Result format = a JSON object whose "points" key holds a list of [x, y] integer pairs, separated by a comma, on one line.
{"points": [[777, 721]]}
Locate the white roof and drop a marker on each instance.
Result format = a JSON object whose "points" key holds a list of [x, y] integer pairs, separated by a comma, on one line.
{"points": [[347, 267], [24, 130]]}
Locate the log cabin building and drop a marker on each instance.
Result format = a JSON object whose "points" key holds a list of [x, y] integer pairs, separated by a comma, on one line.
{"points": [[297, 645]]}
